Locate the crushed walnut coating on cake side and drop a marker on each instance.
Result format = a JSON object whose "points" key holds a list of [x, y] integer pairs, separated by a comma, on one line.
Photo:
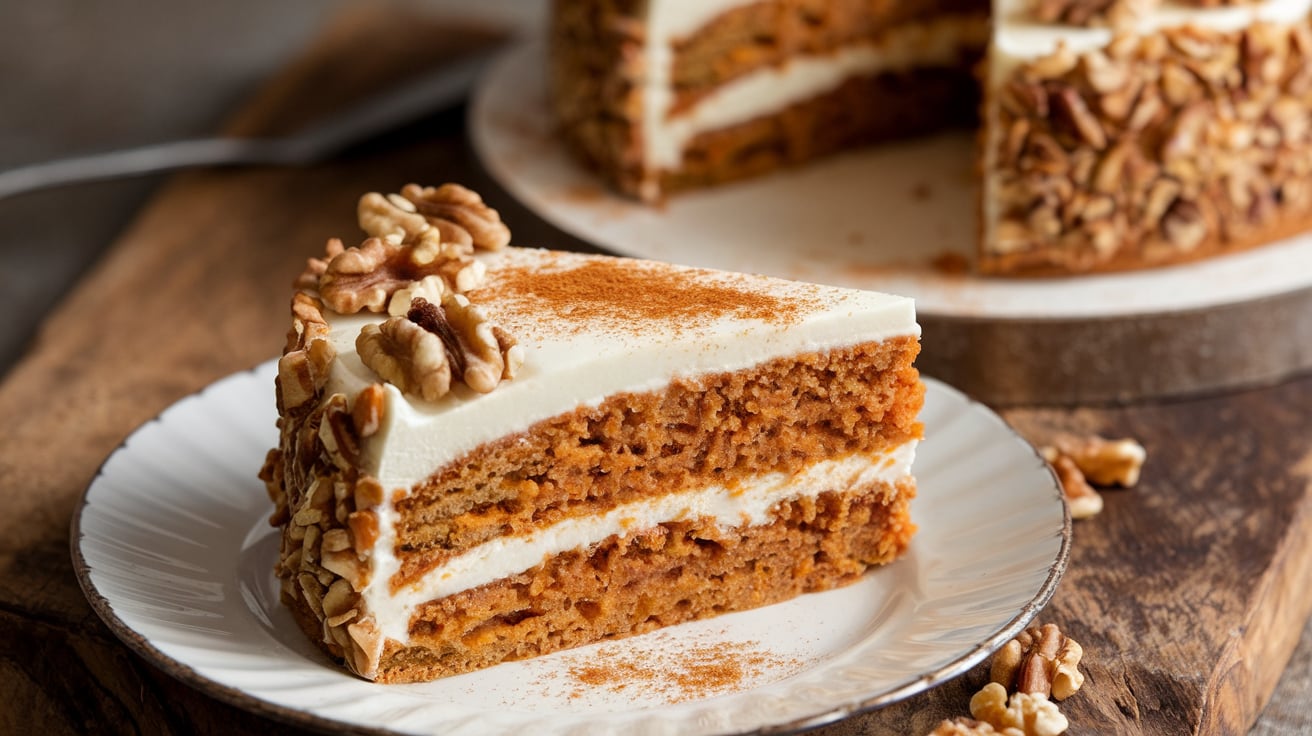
{"points": [[419, 251], [326, 523], [1152, 148]]}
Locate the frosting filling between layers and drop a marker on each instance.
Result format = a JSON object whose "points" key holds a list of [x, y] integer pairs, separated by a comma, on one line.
{"points": [[939, 42], [748, 502]]}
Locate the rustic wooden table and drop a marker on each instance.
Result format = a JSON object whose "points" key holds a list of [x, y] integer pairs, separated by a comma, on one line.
{"points": [[1189, 593]]}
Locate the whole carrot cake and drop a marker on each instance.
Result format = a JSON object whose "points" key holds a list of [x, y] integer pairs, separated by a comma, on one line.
{"points": [[490, 453], [1113, 134]]}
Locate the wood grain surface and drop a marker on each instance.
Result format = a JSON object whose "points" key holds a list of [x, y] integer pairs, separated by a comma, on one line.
{"points": [[1188, 593]]}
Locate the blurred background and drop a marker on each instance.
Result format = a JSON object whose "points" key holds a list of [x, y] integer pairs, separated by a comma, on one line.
{"points": [[79, 77]]}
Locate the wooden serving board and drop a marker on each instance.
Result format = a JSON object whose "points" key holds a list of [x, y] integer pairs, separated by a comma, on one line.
{"points": [[1188, 593]]}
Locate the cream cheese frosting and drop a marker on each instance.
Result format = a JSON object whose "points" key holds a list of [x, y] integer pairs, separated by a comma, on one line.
{"points": [[567, 368]]}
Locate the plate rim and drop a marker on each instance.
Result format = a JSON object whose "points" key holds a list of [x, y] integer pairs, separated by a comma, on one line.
{"points": [[238, 697]]}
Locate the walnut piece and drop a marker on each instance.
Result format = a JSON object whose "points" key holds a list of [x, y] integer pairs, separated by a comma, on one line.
{"points": [[445, 215], [1104, 462], [422, 352], [1040, 661], [459, 214], [407, 356], [367, 410], [430, 288], [391, 218], [1082, 499], [1029, 715], [971, 727]]}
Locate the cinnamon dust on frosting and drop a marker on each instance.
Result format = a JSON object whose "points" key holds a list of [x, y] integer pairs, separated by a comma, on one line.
{"points": [[618, 293]]}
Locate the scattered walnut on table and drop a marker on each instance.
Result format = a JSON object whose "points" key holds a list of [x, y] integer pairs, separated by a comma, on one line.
{"points": [[1084, 501], [1081, 462], [1028, 714], [962, 726], [1041, 660], [1104, 462]]}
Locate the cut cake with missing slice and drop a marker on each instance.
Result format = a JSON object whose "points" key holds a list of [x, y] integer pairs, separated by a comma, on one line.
{"points": [[1114, 134], [490, 453]]}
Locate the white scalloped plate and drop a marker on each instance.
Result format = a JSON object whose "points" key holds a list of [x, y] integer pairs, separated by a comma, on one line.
{"points": [[172, 550]]}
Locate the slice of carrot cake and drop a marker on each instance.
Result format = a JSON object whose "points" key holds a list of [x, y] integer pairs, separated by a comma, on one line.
{"points": [[490, 453]]}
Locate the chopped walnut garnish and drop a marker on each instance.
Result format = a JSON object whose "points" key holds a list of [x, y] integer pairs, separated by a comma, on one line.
{"points": [[367, 411], [429, 288], [1030, 715], [420, 256], [422, 352], [1041, 660], [365, 277], [421, 244], [407, 356], [391, 218], [449, 214]]}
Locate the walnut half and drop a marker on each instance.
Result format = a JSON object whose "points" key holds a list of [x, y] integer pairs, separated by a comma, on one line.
{"points": [[449, 214], [1082, 462], [424, 351], [1041, 660], [1028, 714]]}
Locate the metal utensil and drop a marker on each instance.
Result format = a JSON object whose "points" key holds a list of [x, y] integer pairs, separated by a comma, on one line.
{"points": [[429, 93]]}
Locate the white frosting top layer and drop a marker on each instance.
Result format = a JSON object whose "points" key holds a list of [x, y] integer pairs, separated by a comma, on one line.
{"points": [[749, 502], [580, 359], [939, 41]]}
